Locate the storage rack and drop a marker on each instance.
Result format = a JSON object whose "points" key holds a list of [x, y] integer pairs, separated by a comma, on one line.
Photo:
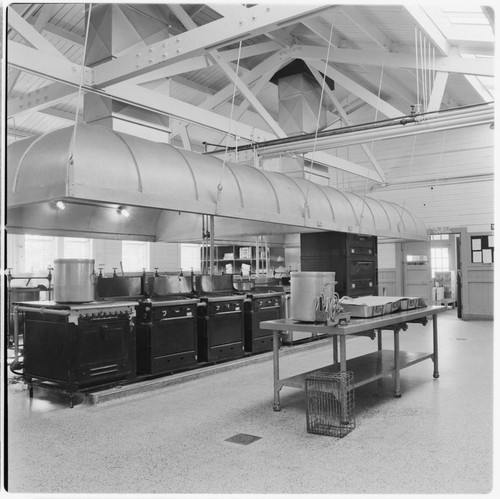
{"points": [[237, 256]]}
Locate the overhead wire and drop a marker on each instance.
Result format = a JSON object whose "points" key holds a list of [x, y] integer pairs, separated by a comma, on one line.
{"points": [[432, 188], [371, 145], [79, 96], [416, 68], [219, 186], [403, 206], [306, 206], [421, 107]]}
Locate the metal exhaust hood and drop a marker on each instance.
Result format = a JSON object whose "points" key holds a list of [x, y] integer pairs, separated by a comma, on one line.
{"points": [[95, 171]]}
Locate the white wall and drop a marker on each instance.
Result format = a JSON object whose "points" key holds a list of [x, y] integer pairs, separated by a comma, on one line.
{"points": [[386, 255]]}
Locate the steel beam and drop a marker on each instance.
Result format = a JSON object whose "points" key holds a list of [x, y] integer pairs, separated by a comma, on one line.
{"points": [[250, 50], [231, 74], [193, 64], [39, 99], [483, 92], [228, 9], [396, 60], [249, 96], [28, 59], [183, 111], [59, 113], [324, 33], [30, 34], [437, 91], [370, 98], [46, 65], [348, 122], [212, 36], [358, 18], [203, 62], [271, 64], [63, 34], [427, 26], [11, 79]]}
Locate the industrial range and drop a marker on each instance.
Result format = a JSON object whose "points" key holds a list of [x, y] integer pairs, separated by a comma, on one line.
{"points": [[253, 233]]}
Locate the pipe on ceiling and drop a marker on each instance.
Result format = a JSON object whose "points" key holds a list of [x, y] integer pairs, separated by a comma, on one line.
{"points": [[414, 124], [166, 189]]}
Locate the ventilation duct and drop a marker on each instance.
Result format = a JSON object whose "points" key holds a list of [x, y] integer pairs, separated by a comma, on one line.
{"points": [[300, 108], [95, 171]]}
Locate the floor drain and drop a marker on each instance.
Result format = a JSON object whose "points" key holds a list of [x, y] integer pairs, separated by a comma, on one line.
{"points": [[243, 439]]}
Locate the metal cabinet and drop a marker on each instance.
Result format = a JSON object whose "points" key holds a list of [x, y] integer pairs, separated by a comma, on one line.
{"points": [[353, 258]]}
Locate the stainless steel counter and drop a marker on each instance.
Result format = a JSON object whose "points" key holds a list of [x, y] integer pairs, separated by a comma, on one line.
{"points": [[366, 368]]}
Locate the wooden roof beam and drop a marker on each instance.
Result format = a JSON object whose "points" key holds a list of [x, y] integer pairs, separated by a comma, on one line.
{"points": [[215, 35], [427, 26], [231, 74], [357, 89], [347, 121], [324, 33], [396, 60], [30, 34], [358, 18]]}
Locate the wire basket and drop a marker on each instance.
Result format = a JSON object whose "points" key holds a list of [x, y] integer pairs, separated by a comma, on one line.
{"points": [[330, 403]]}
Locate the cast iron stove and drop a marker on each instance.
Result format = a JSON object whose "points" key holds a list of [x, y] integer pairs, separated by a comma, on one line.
{"points": [[76, 346]]}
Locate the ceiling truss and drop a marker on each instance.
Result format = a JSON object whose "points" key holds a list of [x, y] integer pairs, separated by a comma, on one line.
{"points": [[224, 43]]}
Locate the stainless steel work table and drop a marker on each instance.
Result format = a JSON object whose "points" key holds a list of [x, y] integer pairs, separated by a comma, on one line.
{"points": [[366, 368]]}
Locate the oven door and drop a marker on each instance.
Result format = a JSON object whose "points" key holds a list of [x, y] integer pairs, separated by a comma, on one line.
{"points": [[225, 328], [257, 339], [220, 333], [47, 347], [103, 352], [167, 345]]}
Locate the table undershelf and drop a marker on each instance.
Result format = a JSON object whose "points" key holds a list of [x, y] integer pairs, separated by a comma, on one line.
{"points": [[366, 368]]}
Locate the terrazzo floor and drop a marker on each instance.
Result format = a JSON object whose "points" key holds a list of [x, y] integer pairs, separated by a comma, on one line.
{"points": [[436, 439]]}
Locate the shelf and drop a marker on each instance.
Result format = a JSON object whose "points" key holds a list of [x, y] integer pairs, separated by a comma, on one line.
{"points": [[234, 260], [366, 368]]}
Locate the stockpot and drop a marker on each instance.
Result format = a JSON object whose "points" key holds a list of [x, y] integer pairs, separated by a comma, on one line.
{"points": [[74, 280]]}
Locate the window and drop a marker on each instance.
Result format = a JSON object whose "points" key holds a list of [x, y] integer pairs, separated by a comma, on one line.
{"points": [[39, 253], [135, 256], [440, 260], [190, 257], [77, 247]]}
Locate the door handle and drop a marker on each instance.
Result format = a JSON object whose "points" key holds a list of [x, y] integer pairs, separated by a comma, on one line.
{"points": [[104, 331]]}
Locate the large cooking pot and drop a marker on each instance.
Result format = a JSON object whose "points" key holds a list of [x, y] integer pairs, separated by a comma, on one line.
{"points": [[305, 288], [74, 280]]}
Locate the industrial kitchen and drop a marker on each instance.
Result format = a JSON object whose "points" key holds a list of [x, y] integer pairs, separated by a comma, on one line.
{"points": [[248, 248]]}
